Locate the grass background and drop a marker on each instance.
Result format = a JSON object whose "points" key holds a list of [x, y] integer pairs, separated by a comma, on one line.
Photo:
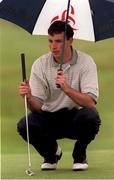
{"points": [[14, 161]]}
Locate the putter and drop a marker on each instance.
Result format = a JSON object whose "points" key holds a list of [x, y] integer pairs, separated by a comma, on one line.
{"points": [[29, 172]]}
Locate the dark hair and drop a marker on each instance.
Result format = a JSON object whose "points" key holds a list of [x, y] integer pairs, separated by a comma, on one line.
{"points": [[58, 27]]}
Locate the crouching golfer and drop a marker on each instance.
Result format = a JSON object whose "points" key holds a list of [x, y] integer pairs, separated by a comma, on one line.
{"points": [[65, 112]]}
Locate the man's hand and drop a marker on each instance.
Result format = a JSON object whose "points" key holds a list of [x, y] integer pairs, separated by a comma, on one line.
{"points": [[24, 89], [33, 103], [61, 80]]}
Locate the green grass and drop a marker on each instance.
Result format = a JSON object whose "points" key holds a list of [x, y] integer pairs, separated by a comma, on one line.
{"points": [[13, 41], [99, 159]]}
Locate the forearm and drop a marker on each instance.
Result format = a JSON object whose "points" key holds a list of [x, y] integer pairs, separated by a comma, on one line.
{"points": [[34, 104], [79, 98]]}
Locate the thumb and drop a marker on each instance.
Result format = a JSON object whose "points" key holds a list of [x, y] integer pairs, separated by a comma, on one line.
{"points": [[27, 82]]}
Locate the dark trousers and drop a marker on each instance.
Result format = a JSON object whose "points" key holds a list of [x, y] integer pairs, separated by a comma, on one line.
{"points": [[46, 128]]}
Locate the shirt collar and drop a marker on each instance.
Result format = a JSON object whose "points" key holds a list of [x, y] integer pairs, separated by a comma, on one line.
{"points": [[71, 62]]}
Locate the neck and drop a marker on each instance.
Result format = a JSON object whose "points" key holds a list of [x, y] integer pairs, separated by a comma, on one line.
{"points": [[68, 56]]}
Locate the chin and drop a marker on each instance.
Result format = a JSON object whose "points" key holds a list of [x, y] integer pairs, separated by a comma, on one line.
{"points": [[56, 56]]}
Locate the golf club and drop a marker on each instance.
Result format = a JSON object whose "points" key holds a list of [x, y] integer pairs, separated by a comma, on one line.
{"points": [[29, 172]]}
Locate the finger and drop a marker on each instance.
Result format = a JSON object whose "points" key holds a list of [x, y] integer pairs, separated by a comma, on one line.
{"points": [[25, 83], [23, 91], [59, 72]]}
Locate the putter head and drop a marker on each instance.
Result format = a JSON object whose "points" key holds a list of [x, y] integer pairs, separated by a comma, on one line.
{"points": [[29, 172]]}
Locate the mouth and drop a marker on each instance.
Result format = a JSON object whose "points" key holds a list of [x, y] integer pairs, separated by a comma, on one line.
{"points": [[55, 52]]}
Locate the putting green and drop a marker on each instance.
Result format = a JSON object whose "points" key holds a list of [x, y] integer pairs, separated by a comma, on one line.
{"points": [[101, 166]]}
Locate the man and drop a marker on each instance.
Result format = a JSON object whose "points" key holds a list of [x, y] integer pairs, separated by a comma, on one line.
{"points": [[67, 111]]}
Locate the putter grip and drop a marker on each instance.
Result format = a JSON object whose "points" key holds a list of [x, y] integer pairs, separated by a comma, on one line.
{"points": [[23, 66], [57, 85]]}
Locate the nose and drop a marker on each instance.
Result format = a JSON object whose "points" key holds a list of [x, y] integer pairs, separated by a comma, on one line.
{"points": [[53, 45]]}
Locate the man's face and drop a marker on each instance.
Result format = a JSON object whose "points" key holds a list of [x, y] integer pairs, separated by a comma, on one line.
{"points": [[56, 44]]}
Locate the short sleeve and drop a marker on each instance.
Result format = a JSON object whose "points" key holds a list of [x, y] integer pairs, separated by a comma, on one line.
{"points": [[38, 82], [89, 79]]}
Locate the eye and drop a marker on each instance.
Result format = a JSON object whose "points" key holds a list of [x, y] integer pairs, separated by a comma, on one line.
{"points": [[59, 41], [50, 41]]}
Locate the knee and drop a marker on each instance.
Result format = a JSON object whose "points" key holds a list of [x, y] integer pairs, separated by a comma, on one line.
{"points": [[90, 116], [92, 119], [21, 127], [87, 123], [34, 125]]}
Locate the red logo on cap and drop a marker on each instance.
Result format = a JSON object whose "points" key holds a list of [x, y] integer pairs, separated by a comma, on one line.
{"points": [[71, 19]]}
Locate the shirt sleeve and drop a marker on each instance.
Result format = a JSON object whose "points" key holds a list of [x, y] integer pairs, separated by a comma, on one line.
{"points": [[89, 80], [38, 82]]}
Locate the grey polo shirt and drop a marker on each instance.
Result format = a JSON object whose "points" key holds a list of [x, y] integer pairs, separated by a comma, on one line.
{"points": [[82, 76]]}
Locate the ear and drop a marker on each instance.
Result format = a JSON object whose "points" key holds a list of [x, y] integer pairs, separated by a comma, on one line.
{"points": [[71, 40]]}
